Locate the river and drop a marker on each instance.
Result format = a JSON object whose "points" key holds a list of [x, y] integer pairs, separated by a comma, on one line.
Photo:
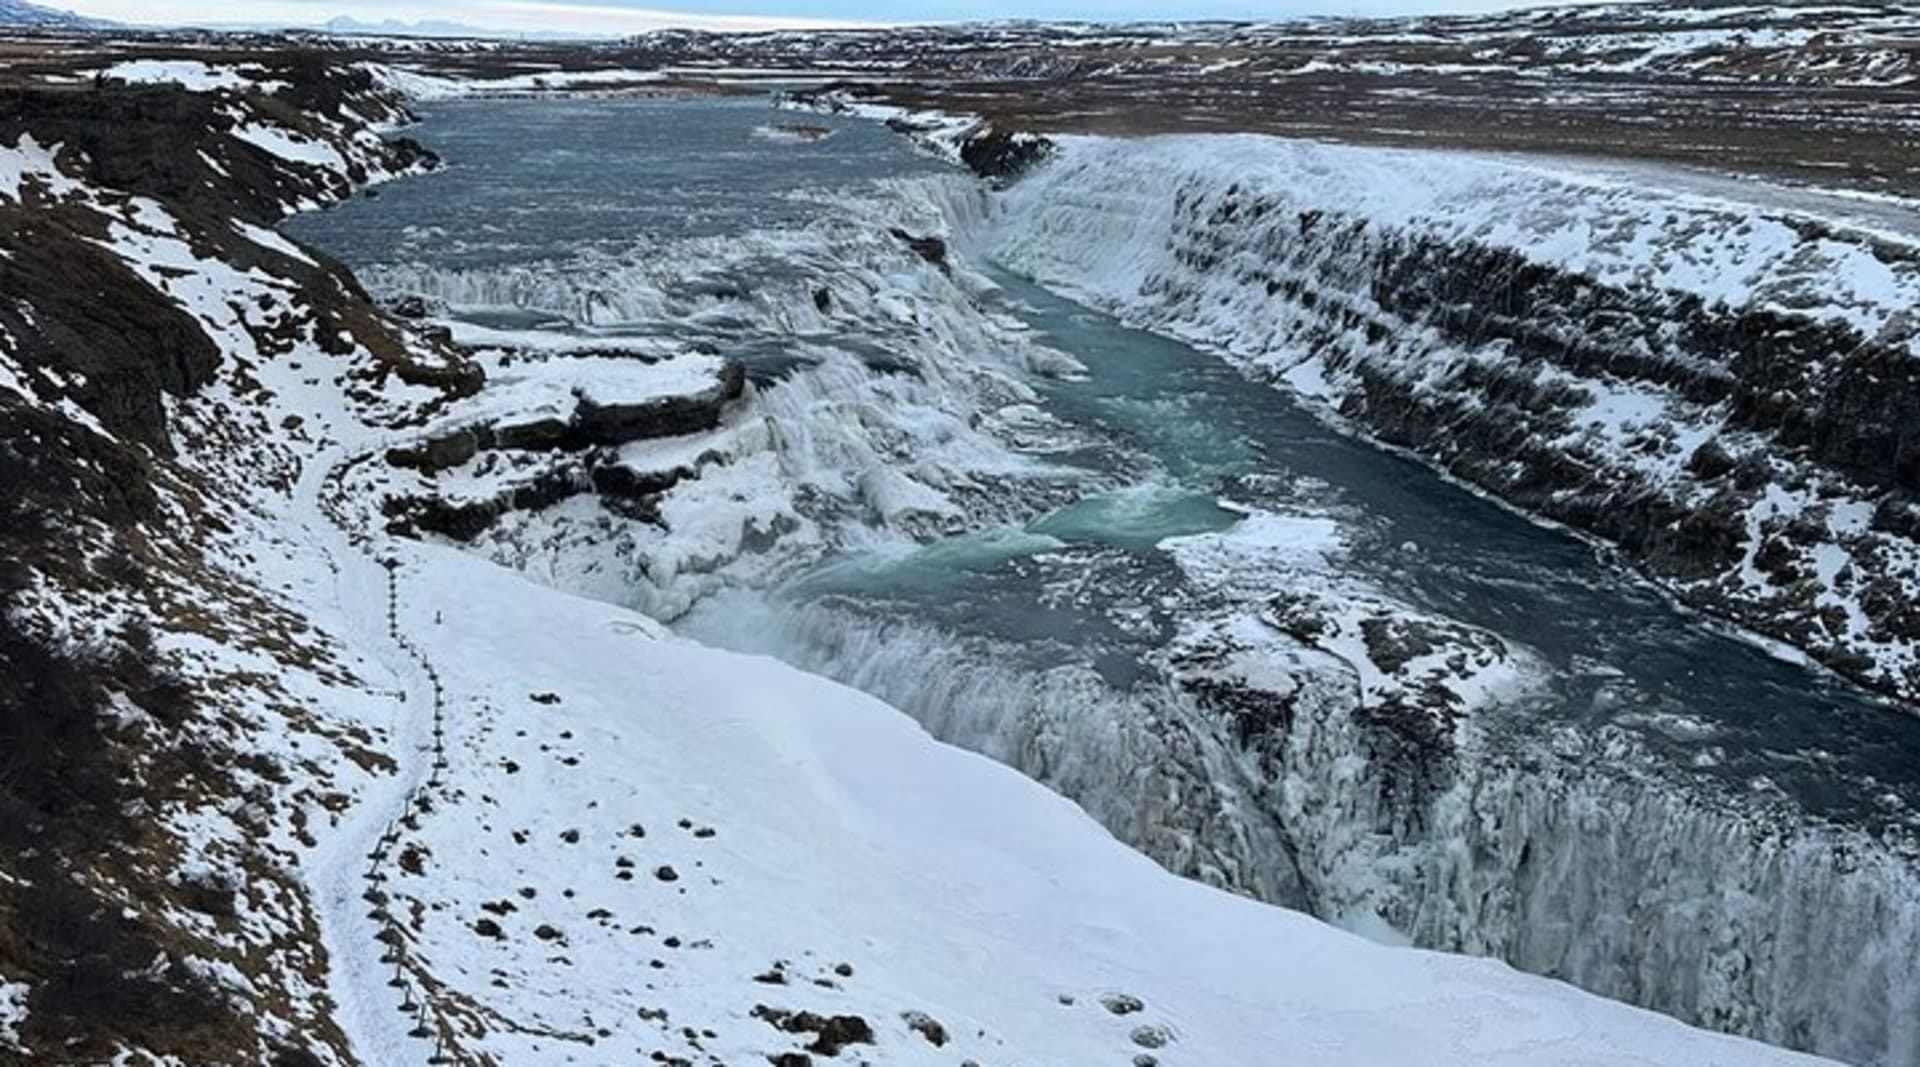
{"points": [[1025, 599]]}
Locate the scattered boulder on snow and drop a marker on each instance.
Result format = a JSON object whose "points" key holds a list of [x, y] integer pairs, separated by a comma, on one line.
{"points": [[1150, 1036], [926, 1026], [831, 1033]]}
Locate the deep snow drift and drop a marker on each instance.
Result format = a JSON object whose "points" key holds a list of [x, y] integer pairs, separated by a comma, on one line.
{"points": [[645, 845]]}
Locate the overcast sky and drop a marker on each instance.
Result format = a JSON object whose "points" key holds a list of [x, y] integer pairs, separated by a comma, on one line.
{"points": [[627, 16]]}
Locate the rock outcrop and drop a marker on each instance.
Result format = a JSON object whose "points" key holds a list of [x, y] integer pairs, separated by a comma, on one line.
{"points": [[146, 302], [534, 448]]}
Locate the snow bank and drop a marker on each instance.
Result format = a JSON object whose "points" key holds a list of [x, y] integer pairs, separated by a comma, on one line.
{"points": [[415, 85], [13, 1012], [192, 75], [29, 165], [822, 827]]}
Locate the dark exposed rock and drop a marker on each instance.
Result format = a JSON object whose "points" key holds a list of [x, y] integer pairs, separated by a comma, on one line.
{"points": [[76, 310], [442, 452], [467, 520], [593, 430], [1003, 155], [932, 249], [831, 1032], [613, 480], [926, 1026], [672, 416], [289, 1056], [531, 435], [411, 306]]}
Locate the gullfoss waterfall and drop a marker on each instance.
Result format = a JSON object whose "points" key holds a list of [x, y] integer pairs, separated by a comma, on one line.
{"points": [[1268, 654]]}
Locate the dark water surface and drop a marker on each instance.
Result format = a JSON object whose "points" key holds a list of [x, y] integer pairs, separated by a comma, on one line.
{"points": [[529, 181]]}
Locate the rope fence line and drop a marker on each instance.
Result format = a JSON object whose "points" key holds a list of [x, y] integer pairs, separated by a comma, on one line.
{"points": [[430, 1022]]}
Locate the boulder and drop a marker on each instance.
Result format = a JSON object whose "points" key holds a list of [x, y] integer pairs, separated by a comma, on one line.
{"points": [[932, 249]]}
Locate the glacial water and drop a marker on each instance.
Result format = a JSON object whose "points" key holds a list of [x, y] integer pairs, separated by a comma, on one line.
{"points": [[1031, 630]]}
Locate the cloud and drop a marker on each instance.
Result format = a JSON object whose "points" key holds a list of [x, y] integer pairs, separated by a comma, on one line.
{"points": [[516, 15], [616, 17]]}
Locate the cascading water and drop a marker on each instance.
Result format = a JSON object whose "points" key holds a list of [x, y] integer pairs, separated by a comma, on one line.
{"points": [[1142, 760], [1267, 655]]}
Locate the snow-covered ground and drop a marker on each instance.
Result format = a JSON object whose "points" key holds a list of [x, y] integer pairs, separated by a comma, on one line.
{"points": [[531, 828], [192, 75], [421, 85], [644, 845]]}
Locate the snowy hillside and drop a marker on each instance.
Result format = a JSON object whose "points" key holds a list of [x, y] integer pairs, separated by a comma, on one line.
{"points": [[396, 804], [20, 13], [641, 847]]}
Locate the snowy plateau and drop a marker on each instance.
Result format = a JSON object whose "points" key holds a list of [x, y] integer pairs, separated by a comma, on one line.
{"points": [[410, 664]]}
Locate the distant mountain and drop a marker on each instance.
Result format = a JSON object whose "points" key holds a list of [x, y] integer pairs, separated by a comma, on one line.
{"points": [[349, 26], [20, 13]]}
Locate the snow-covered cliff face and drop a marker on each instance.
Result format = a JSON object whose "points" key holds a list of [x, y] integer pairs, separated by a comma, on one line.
{"points": [[1574, 855], [1725, 390]]}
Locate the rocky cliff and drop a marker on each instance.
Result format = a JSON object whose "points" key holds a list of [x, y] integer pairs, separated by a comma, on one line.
{"points": [[1724, 392], [152, 894]]}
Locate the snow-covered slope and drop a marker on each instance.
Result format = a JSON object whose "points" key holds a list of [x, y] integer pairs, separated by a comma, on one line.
{"points": [[643, 847], [38, 16], [180, 729], [445, 813]]}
